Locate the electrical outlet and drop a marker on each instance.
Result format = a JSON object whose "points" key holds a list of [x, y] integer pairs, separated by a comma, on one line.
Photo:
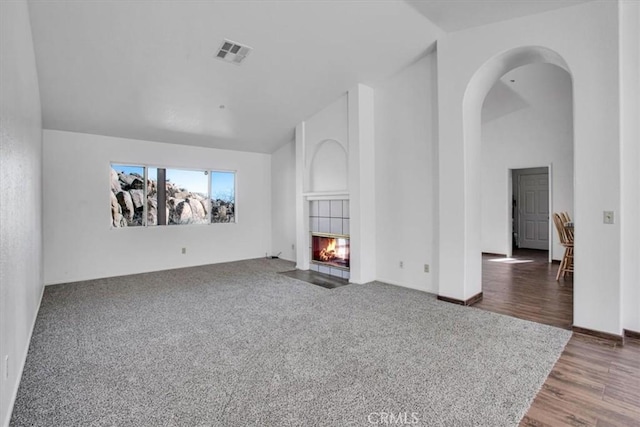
{"points": [[6, 367], [607, 217], [401, 264], [184, 251], [426, 268]]}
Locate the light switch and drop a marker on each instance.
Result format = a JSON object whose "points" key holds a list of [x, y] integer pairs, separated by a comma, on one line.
{"points": [[607, 217]]}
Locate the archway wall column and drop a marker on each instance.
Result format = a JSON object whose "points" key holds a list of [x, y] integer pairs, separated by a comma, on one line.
{"points": [[630, 167], [585, 38]]}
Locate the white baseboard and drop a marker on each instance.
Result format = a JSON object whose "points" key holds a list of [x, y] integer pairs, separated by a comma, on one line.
{"points": [[12, 402]]}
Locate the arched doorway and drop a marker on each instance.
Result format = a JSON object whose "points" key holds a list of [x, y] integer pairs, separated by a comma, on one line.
{"points": [[464, 237], [464, 59], [526, 175]]}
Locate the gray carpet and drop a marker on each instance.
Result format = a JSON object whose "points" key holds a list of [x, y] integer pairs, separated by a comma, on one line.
{"points": [[237, 344]]}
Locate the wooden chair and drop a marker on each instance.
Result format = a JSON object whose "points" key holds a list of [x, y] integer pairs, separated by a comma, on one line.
{"points": [[566, 240], [566, 218]]}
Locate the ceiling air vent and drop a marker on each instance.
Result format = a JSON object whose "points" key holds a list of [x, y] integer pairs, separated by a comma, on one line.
{"points": [[233, 52]]}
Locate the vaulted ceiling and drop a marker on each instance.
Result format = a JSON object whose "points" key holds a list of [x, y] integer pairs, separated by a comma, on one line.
{"points": [[147, 69], [455, 15]]}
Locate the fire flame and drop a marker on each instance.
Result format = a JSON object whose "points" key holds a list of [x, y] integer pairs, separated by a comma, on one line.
{"points": [[330, 252]]}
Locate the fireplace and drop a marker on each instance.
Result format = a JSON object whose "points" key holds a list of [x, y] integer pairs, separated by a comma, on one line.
{"points": [[330, 249]]}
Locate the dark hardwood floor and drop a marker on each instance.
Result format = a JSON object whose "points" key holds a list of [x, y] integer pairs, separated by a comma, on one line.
{"points": [[595, 382], [526, 288]]}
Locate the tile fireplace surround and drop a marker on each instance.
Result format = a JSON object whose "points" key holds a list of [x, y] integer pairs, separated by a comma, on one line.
{"points": [[329, 216]]}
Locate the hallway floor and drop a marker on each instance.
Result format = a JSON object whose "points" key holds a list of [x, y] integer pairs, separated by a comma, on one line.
{"points": [[525, 287]]}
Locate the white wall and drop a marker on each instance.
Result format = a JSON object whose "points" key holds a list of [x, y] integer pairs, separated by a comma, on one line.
{"points": [[283, 201], [21, 198], [78, 241], [586, 37], [406, 140], [525, 124], [630, 162]]}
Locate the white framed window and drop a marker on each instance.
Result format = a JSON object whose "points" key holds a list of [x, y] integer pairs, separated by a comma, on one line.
{"points": [[223, 196], [127, 195], [189, 196]]}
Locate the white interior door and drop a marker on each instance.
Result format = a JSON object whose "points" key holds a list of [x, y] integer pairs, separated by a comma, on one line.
{"points": [[533, 211]]}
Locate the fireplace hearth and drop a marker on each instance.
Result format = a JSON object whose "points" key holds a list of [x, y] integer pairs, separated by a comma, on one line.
{"points": [[330, 249]]}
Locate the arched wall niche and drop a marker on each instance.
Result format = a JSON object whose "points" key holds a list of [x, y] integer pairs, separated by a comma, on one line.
{"points": [[328, 170]]}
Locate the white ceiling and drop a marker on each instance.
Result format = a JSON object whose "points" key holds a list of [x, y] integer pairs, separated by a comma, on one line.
{"points": [[147, 69], [455, 15], [543, 88]]}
